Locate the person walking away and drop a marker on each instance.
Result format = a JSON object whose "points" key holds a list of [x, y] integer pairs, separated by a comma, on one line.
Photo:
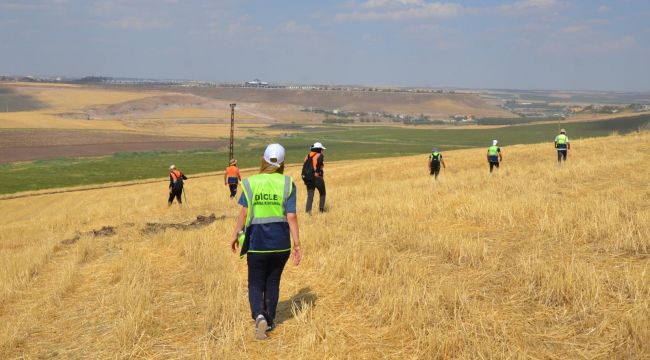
{"points": [[312, 175], [231, 177], [494, 155], [562, 145], [435, 159], [267, 222], [176, 178]]}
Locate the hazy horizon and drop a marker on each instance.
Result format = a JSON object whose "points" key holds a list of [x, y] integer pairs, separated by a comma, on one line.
{"points": [[541, 45]]}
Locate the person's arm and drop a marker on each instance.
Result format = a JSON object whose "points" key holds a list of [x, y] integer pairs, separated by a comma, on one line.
{"points": [[430, 162], [225, 178], [500, 155], [234, 241], [292, 218], [443, 163], [238, 175], [183, 176], [568, 144], [171, 182]]}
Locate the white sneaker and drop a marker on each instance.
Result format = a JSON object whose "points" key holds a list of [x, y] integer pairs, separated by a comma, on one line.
{"points": [[260, 327]]}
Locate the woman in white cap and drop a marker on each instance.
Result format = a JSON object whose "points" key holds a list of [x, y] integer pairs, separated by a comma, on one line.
{"points": [[312, 175], [264, 229], [494, 156]]}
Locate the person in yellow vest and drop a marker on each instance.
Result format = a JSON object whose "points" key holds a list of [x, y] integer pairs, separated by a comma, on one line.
{"points": [[231, 177], [435, 159], [562, 145], [176, 178], [494, 155], [265, 226]]}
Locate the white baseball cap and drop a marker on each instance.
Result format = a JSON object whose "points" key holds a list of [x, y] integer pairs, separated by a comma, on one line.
{"points": [[172, 167], [274, 151], [318, 145], [494, 142]]}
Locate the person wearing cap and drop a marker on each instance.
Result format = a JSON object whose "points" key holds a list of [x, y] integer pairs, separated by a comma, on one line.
{"points": [[265, 226], [562, 145], [176, 178], [435, 159], [316, 157], [231, 177], [494, 155]]}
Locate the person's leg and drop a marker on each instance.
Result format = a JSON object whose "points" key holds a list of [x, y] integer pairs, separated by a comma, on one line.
{"points": [[171, 197], [491, 166], [564, 154], [320, 185], [179, 195], [257, 274], [436, 172], [310, 197], [272, 290], [233, 190], [559, 156]]}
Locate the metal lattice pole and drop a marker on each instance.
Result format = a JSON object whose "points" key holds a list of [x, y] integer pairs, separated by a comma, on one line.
{"points": [[232, 132]]}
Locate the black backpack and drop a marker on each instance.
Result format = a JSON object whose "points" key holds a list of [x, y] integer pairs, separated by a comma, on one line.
{"points": [[435, 158], [308, 174]]}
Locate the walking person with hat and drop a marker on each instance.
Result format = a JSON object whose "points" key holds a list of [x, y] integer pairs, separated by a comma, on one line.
{"points": [[265, 226], [562, 145], [231, 177], [435, 159], [494, 155], [176, 178], [312, 176]]}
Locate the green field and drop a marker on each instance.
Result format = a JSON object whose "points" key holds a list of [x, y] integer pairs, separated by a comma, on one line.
{"points": [[343, 143]]}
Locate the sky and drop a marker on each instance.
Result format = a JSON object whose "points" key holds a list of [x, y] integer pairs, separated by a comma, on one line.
{"points": [[494, 44]]}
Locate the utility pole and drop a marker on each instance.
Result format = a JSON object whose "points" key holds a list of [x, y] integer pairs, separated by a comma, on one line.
{"points": [[232, 131]]}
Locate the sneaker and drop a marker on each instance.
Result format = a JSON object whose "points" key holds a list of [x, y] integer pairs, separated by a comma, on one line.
{"points": [[260, 327], [270, 327]]}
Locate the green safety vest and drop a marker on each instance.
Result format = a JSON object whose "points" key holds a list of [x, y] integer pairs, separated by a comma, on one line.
{"points": [[493, 150], [266, 195], [561, 139], [435, 156]]}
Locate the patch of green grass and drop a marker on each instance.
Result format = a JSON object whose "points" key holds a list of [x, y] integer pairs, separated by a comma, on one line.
{"points": [[343, 143]]}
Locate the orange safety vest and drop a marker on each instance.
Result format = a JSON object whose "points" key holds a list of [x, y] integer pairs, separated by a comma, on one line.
{"points": [[232, 171], [175, 175], [314, 161]]}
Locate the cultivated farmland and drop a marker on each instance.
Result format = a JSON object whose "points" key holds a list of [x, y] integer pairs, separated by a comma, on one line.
{"points": [[536, 261]]}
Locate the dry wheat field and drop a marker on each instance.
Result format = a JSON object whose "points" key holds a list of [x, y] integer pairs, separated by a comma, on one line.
{"points": [[534, 262]]}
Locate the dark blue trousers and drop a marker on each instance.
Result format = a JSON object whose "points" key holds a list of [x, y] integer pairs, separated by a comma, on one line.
{"points": [[264, 272]]}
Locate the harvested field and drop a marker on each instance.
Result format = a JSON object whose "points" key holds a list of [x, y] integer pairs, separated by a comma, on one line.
{"points": [[536, 261], [25, 145]]}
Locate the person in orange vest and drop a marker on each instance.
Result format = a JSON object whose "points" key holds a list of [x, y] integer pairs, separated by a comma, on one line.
{"points": [[176, 178], [312, 176], [231, 177]]}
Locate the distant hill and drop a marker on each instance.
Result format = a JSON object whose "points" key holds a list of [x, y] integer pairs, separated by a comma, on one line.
{"points": [[366, 101]]}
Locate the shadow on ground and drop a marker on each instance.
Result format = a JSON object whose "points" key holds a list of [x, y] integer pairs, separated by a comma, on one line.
{"points": [[304, 296]]}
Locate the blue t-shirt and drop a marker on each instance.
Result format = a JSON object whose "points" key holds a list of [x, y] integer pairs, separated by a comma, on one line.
{"points": [[273, 236]]}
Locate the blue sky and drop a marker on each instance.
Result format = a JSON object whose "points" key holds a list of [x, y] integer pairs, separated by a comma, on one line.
{"points": [[515, 44]]}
